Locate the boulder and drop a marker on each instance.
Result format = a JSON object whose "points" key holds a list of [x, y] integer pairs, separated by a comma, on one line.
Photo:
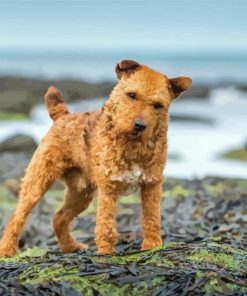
{"points": [[16, 143], [19, 94]]}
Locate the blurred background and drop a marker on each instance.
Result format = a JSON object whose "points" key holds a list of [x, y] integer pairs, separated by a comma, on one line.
{"points": [[76, 45]]}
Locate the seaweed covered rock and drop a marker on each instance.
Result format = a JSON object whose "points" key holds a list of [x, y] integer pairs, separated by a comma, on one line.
{"points": [[204, 224], [196, 268]]}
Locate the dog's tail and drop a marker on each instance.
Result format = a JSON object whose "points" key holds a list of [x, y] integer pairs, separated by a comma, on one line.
{"points": [[55, 103]]}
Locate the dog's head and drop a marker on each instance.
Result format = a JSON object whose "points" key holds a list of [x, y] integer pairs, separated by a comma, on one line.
{"points": [[140, 101]]}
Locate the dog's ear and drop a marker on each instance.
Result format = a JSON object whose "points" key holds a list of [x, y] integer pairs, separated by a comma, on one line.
{"points": [[126, 66], [178, 85]]}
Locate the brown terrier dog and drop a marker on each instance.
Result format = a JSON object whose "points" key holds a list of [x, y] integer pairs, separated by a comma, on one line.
{"points": [[122, 145]]}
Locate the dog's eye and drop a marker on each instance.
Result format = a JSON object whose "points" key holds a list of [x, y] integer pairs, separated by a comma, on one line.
{"points": [[131, 95], [157, 106]]}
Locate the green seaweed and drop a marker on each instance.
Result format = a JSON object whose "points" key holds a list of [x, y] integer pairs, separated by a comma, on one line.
{"points": [[200, 274], [135, 257], [229, 249], [129, 199], [177, 190], [34, 252], [7, 199], [87, 285], [243, 183], [37, 274], [216, 285], [215, 189], [238, 154], [219, 258], [216, 238], [157, 260], [13, 116], [212, 283], [213, 286]]}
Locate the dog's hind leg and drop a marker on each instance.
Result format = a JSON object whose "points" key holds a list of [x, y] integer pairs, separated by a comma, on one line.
{"points": [[44, 168], [78, 196]]}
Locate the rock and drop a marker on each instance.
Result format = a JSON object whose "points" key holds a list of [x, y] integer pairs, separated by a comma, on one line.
{"points": [[13, 185], [206, 256], [197, 91], [198, 268], [13, 164], [15, 154], [18, 143], [21, 94]]}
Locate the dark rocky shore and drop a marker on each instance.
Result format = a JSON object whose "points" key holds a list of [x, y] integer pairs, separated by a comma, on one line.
{"points": [[18, 95], [204, 226]]}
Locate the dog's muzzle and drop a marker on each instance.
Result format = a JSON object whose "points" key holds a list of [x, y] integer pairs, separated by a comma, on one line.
{"points": [[139, 126]]}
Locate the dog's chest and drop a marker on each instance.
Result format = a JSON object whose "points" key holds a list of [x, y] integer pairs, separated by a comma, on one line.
{"points": [[134, 176]]}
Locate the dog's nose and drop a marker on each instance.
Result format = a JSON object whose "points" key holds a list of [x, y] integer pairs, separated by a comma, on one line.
{"points": [[140, 125]]}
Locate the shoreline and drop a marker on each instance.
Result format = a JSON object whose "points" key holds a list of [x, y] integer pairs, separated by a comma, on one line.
{"points": [[19, 94]]}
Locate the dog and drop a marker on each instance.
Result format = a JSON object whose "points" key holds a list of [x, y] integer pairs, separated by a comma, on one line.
{"points": [[121, 146]]}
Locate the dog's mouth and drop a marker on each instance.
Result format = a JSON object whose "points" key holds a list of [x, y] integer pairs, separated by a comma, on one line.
{"points": [[134, 135]]}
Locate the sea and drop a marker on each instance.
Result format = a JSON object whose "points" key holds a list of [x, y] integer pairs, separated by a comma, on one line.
{"points": [[91, 66]]}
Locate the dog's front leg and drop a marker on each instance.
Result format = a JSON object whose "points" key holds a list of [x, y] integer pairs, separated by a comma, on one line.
{"points": [[151, 195], [105, 229]]}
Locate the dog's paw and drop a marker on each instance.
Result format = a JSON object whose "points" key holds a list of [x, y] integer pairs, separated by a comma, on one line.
{"points": [[7, 251], [150, 244], [74, 247], [81, 246], [106, 250]]}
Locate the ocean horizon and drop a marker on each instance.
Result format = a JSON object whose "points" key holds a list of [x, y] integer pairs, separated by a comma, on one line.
{"points": [[96, 65]]}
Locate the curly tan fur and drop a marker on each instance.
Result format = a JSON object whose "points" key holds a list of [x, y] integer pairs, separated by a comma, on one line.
{"points": [[102, 150]]}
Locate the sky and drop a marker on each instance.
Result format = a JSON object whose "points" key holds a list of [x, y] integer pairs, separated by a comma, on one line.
{"points": [[170, 26]]}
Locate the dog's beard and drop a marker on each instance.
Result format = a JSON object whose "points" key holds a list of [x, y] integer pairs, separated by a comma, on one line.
{"points": [[134, 135], [130, 135]]}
